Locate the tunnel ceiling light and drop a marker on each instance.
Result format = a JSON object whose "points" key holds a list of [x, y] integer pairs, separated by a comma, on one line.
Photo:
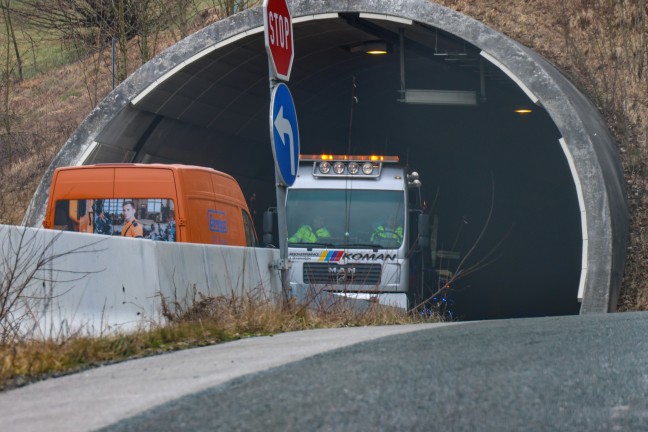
{"points": [[377, 47], [523, 111], [440, 97]]}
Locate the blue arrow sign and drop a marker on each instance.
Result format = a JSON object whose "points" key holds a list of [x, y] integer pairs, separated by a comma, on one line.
{"points": [[284, 134]]}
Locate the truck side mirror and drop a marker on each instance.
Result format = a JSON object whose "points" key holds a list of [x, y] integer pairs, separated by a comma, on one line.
{"points": [[424, 231], [268, 227]]}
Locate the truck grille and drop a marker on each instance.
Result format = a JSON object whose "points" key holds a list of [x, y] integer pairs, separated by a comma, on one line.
{"points": [[335, 274]]}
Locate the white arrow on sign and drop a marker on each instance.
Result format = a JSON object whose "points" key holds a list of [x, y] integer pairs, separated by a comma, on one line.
{"points": [[284, 127]]}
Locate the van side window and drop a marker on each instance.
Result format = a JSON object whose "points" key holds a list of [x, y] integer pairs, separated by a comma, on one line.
{"points": [[61, 215], [250, 238], [148, 218]]}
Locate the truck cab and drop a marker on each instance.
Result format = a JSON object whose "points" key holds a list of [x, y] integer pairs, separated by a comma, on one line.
{"points": [[353, 229]]}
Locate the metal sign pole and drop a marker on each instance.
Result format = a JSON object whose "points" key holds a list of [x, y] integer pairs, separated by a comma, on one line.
{"points": [[278, 40], [283, 265]]}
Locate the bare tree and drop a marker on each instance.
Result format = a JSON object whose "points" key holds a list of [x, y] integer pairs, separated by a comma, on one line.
{"points": [[27, 260], [93, 24], [230, 7], [11, 35], [7, 72]]}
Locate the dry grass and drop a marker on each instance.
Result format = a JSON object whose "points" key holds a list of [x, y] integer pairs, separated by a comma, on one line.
{"points": [[256, 312], [202, 321], [27, 361]]}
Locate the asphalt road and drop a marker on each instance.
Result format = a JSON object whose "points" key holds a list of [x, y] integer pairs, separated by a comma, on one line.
{"points": [[99, 397], [577, 373]]}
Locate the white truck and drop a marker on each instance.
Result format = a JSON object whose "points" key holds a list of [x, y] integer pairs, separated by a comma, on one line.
{"points": [[356, 228]]}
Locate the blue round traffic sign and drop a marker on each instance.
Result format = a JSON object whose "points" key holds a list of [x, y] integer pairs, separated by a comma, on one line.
{"points": [[284, 134]]}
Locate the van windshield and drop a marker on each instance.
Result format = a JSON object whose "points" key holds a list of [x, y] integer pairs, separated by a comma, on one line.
{"points": [[351, 219], [150, 218]]}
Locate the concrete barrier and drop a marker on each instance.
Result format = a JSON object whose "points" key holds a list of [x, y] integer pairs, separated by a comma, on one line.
{"points": [[85, 282]]}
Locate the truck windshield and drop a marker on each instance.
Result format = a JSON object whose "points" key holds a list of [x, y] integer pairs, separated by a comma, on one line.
{"points": [[355, 219]]}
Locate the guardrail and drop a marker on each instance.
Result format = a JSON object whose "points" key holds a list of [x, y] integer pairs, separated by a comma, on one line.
{"points": [[72, 282]]}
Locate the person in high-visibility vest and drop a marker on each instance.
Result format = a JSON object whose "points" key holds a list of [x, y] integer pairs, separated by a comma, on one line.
{"points": [[311, 234], [132, 227], [390, 231]]}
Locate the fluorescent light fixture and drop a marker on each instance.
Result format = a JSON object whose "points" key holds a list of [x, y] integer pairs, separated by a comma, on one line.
{"points": [[440, 97], [376, 48], [523, 111], [371, 47]]}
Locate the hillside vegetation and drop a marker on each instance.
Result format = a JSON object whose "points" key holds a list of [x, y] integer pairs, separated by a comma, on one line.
{"points": [[601, 45]]}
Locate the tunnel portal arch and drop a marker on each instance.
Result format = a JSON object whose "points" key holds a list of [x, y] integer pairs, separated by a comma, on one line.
{"points": [[204, 101]]}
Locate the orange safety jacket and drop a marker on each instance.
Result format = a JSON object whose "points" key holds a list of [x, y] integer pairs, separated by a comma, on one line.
{"points": [[132, 229]]}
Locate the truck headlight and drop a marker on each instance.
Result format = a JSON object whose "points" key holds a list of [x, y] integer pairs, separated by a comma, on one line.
{"points": [[338, 167], [325, 167], [354, 168], [367, 168]]}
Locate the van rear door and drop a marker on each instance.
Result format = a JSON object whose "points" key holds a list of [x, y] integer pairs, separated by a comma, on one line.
{"points": [[82, 184], [140, 182]]}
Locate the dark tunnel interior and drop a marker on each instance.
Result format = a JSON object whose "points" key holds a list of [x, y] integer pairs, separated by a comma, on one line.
{"points": [[498, 181], [473, 162]]}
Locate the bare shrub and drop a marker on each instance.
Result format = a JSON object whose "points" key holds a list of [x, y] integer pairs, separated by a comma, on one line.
{"points": [[233, 311], [259, 312], [29, 279]]}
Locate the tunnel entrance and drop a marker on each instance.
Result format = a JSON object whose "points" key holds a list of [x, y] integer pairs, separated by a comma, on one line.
{"points": [[474, 160], [506, 192], [498, 180]]}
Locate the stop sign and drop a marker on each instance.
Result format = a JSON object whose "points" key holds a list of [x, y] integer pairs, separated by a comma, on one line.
{"points": [[277, 24]]}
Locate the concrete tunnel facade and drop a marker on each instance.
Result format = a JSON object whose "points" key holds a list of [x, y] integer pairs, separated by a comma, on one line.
{"points": [[204, 101]]}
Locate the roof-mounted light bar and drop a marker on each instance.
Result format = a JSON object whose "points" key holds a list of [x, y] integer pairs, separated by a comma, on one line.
{"points": [[349, 166], [349, 158]]}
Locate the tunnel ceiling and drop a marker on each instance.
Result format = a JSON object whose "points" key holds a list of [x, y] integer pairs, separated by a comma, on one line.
{"points": [[225, 93], [547, 186], [224, 90]]}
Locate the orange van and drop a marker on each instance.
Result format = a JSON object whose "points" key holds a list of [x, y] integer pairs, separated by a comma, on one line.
{"points": [[175, 203]]}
